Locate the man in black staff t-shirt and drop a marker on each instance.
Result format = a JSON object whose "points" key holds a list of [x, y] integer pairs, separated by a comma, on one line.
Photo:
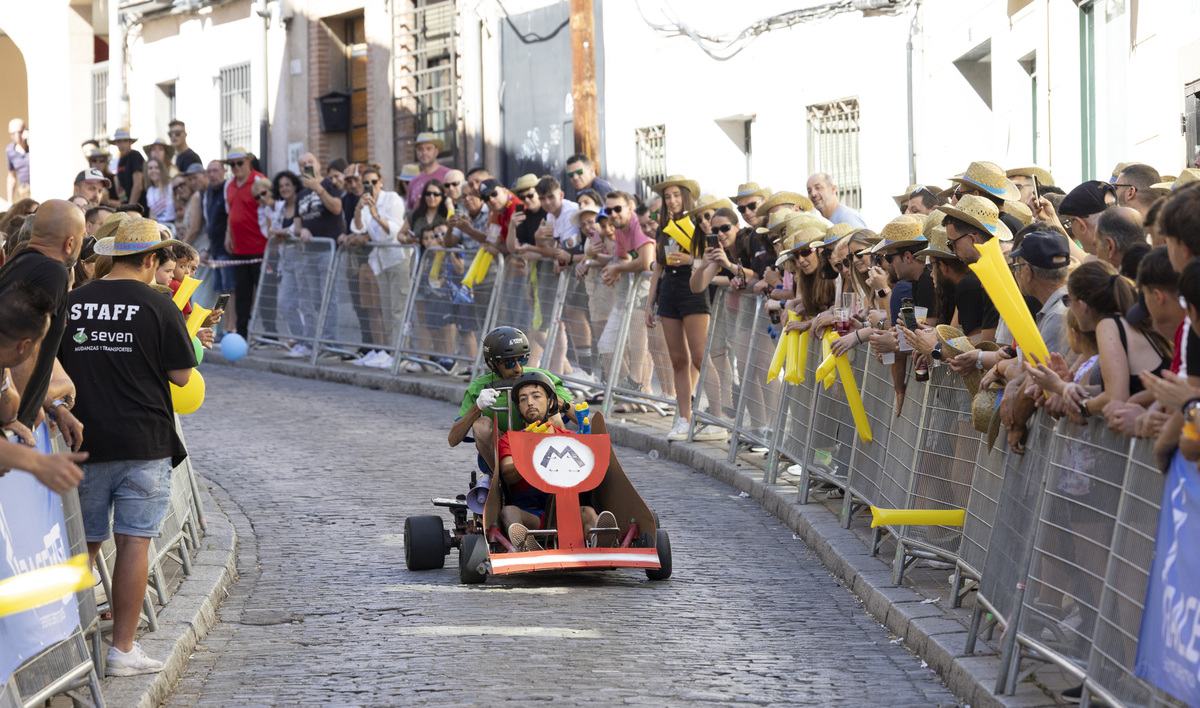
{"points": [[126, 342], [45, 263], [318, 216]]}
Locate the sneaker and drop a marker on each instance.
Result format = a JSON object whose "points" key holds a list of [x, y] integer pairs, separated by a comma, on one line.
{"points": [[835, 493], [446, 364], [1073, 695], [521, 539], [411, 367], [679, 431], [299, 351], [606, 533], [383, 361], [710, 432], [367, 359], [131, 663]]}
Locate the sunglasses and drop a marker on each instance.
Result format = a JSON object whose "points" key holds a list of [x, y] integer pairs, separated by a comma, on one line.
{"points": [[752, 206], [722, 229], [452, 184], [804, 252], [889, 257], [98, 160], [950, 243], [260, 195], [370, 182], [576, 173], [238, 163], [531, 194], [174, 133], [432, 194], [615, 209], [842, 264], [513, 363]]}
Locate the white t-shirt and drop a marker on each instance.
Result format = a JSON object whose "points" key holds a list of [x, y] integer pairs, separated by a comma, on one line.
{"points": [[566, 233]]}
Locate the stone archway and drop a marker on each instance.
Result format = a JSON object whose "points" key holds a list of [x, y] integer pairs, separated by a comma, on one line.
{"points": [[14, 94]]}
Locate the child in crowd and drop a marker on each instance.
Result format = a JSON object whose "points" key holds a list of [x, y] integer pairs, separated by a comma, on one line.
{"points": [[438, 282], [163, 275], [187, 259]]}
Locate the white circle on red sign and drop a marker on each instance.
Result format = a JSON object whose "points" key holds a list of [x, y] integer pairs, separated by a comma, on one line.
{"points": [[563, 461]]}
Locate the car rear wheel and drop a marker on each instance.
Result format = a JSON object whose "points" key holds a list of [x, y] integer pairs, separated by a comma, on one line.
{"points": [[663, 545], [472, 559], [424, 543]]}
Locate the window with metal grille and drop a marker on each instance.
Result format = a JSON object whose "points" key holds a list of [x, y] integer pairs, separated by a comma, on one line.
{"points": [[100, 100], [235, 107], [651, 158], [833, 147], [426, 76]]}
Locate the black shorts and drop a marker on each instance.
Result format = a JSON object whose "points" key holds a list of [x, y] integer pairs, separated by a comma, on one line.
{"points": [[675, 297]]}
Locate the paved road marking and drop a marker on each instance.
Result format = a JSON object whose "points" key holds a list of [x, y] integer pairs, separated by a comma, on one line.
{"points": [[463, 631], [421, 587]]}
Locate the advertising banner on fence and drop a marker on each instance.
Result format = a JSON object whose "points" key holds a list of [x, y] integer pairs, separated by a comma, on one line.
{"points": [[33, 535], [1168, 653]]}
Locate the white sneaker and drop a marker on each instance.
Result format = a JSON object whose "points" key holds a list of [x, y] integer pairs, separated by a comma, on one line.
{"points": [[366, 359], [133, 663], [711, 432], [383, 361], [411, 367], [679, 431], [299, 352]]}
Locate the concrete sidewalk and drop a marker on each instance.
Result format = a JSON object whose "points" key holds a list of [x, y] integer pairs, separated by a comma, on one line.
{"points": [[917, 613]]}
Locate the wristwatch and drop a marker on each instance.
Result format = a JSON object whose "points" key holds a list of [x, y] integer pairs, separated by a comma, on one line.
{"points": [[979, 360], [1189, 410], [936, 354], [882, 293]]}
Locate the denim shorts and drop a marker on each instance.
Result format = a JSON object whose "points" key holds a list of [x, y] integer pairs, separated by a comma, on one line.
{"points": [[131, 494]]}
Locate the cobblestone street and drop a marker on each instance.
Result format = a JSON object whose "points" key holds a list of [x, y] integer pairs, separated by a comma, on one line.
{"points": [[318, 479]]}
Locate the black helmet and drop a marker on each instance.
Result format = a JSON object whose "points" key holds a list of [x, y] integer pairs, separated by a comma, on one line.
{"points": [[540, 379], [504, 343]]}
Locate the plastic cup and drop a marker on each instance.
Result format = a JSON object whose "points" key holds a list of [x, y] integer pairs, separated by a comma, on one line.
{"points": [[921, 313]]}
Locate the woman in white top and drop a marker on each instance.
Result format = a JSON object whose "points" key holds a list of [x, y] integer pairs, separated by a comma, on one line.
{"points": [[380, 216], [160, 197]]}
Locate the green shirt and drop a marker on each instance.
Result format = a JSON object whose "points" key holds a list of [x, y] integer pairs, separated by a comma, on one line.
{"points": [[490, 378]]}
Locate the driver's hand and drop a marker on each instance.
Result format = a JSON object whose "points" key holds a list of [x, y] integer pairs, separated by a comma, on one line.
{"points": [[487, 398]]}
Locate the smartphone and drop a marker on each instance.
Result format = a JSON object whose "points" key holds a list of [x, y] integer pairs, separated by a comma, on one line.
{"points": [[908, 314], [711, 241], [222, 300], [521, 208], [1037, 192], [309, 171]]}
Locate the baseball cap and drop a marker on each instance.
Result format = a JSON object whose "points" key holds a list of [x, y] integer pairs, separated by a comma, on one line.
{"points": [[194, 169], [488, 187], [1044, 249], [1086, 199], [92, 175], [1138, 312], [602, 214]]}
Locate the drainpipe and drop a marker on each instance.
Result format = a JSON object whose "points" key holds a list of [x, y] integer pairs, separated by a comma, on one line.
{"points": [[912, 154], [118, 113], [260, 86]]}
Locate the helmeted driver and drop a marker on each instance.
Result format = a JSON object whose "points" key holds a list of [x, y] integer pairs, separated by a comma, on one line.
{"points": [[537, 404], [505, 351]]}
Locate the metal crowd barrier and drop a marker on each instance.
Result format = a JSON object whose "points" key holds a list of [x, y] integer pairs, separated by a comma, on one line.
{"points": [[1057, 542], [294, 293], [370, 306], [438, 322]]}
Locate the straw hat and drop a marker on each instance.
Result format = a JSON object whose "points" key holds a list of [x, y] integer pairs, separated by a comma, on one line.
{"points": [[808, 237], [751, 189], [680, 181], [1121, 168], [904, 230], [122, 134], [1189, 175], [948, 192], [525, 182], [938, 247], [775, 223], [912, 191], [577, 215], [134, 235], [981, 213], [933, 219], [985, 414], [161, 143], [238, 153], [432, 139], [710, 203], [986, 177], [954, 342], [837, 232], [1020, 210], [409, 172], [1044, 178], [793, 221], [779, 198], [110, 224]]}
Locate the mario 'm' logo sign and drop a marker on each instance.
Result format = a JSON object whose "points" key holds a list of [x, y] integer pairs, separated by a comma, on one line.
{"points": [[557, 463]]}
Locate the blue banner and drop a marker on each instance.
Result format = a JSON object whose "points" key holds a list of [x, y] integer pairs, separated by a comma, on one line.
{"points": [[33, 535], [1168, 654]]}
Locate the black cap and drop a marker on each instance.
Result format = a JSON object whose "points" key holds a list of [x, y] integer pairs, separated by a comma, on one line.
{"points": [[488, 187], [1138, 311], [1044, 249], [1086, 199]]}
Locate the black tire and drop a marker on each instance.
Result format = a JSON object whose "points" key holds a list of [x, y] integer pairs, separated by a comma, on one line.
{"points": [[424, 543], [663, 544], [472, 557]]}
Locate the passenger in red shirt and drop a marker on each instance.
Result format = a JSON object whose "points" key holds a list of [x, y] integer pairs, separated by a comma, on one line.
{"points": [[244, 240]]}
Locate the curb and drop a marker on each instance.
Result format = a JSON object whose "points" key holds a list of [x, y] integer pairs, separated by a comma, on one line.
{"points": [[930, 629], [187, 618]]}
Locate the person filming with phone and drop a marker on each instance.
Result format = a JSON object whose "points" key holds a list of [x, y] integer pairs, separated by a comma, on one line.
{"points": [[379, 215]]}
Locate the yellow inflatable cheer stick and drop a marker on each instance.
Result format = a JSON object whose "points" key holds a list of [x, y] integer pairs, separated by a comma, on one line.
{"points": [[44, 585], [791, 369], [853, 399], [917, 517], [827, 349], [777, 361], [804, 337], [196, 319], [998, 281], [184, 293]]}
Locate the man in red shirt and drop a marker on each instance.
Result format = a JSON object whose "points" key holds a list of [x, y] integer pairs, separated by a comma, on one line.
{"points": [[537, 403], [244, 240]]}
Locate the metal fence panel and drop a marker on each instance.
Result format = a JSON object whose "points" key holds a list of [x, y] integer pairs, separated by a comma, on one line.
{"points": [[575, 330], [793, 421], [441, 323], [870, 458], [832, 432], [371, 285], [724, 362], [291, 293], [643, 352]]}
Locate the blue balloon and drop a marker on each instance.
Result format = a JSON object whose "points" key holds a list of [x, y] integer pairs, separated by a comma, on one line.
{"points": [[233, 346]]}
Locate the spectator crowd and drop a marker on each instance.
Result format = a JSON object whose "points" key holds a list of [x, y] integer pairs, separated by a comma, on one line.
{"points": [[1107, 270]]}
